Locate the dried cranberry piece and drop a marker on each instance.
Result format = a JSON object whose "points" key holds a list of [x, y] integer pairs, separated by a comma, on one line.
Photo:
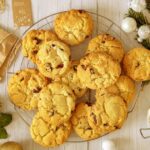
{"points": [[94, 117], [83, 66], [37, 90], [38, 41], [81, 11], [60, 66]]}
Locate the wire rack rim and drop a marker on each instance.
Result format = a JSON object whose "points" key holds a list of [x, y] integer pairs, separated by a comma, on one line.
{"points": [[46, 18]]}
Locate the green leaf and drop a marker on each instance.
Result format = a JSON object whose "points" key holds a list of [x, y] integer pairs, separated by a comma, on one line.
{"points": [[138, 16], [146, 43], [148, 5], [3, 133], [5, 119]]}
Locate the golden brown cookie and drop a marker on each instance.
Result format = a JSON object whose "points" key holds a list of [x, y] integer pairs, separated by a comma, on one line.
{"points": [[47, 134], [136, 64], [24, 88], [108, 113], [81, 124], [72, 80], [53, 59], [56, 102], [33, 40], [124, 87], [108, 44], [98, 70], [73, 26], [11, 146]]}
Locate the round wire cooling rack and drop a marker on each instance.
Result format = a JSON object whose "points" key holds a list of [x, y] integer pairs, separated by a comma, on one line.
{"points": [[101, 25]]}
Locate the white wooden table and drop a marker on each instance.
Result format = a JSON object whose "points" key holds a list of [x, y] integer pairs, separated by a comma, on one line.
{"points": [[127, 138]]}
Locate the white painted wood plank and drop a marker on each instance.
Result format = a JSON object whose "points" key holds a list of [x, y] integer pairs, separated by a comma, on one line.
{"points": [[89, 5], [109, 9], [64, 5], [70, 146], [76, 4]]}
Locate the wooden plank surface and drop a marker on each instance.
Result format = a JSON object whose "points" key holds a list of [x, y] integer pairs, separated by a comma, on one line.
{"points": [[128, 138]]}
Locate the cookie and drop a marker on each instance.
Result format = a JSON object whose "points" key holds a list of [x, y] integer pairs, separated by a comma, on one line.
{"points": [[108, 44], [98, 70], [33, 40], [136, 64], [108, 113], [47, 134], [56, 102], [24, 88], [81, 125], [124, 87], [73, 26], [53, 59], [11, 145], [72, 80]]}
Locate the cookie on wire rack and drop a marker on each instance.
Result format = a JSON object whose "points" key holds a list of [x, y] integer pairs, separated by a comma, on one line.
{"points": [[33, 41], [108, 112], [53, 59], [98, 70], [24, 88], [136, 64], [47, 134], [108, 44], [103, 117], [56, 103], [73, 26], [81, 124]]}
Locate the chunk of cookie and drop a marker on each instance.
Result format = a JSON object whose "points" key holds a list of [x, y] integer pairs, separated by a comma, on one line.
{"points": [[108, 44], [33, 40], [108, 113], [24, 88], [81, 125], [72, 80], [98, 70], [47, 134], [53, 59], [124, 87], [136, 64], [56, 102], [73, 26]]}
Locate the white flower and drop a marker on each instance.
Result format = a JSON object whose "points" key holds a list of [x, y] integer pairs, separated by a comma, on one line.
{"points": [[138, 5], [144, 32]]}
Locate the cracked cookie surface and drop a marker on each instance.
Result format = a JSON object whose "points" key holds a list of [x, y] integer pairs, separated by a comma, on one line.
{"points": [[73, 26], [33, 40], [82, 121], [108, 113], [136, 64], [98, 70], [56, 102], [24, 88], [108, 44], [81, 124], [72, 80], [47, 134], [53, 59], [124, 87]]}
